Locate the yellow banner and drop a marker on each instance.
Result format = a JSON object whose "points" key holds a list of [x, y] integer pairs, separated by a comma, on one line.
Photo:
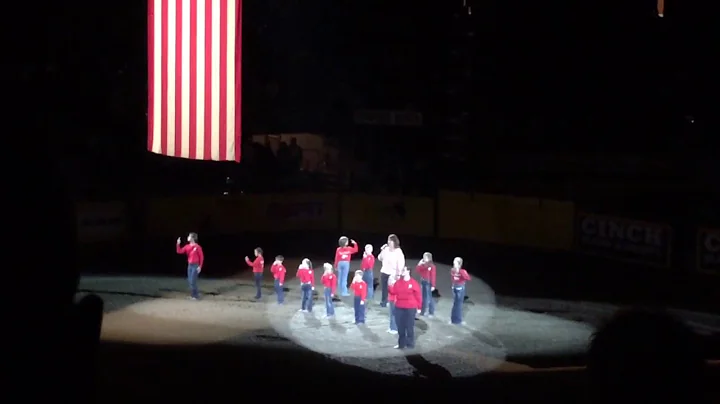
{"points": [[274, 213], [175, 217], [505, 219], [388, 214], [101, 221]]}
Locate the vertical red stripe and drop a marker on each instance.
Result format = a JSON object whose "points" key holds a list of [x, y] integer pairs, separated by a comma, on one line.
{"points": [[208, 83], [192, 121], [238, 82], [178, 77], [164, 80], [151, 64], [223, 80]]}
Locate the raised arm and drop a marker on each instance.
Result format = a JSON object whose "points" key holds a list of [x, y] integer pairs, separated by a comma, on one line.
{"points": [[381, 256]]}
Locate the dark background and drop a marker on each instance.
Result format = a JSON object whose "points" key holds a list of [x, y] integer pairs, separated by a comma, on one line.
{"points": [[546, 78]]}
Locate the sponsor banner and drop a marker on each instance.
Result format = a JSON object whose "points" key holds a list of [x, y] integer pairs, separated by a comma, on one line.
{"points": [[708, 250], [176, 217], [624, 239], [101, 221], [274, 213], [413, 216]]}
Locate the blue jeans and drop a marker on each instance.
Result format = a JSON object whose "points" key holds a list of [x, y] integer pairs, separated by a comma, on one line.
{"points": [[458, 297], [369, 277], [192, 276], [258, 284], [428, 303], [343, 270], [329, 306], [359, 311], [279, 292], [393, 324], [306, 297], [406, 327], [384, 278]]}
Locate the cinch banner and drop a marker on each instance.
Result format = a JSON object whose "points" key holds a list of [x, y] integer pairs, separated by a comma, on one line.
{"points": [[101, 221], [708, 250], [413, 216], [624, 239], [274, 213]]}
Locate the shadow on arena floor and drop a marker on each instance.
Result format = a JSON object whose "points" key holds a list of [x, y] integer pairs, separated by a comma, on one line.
{"points": [[180, 374], [208, 373]]}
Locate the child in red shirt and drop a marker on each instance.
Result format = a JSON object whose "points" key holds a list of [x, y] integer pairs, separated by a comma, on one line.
{"points": [[329, 281], [278, 271], [367, 265], [359, 288], [307, 284], [458, 278]]}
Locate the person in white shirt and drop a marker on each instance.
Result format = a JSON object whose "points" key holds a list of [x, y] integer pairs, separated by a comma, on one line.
{"points": [[393, 262]]}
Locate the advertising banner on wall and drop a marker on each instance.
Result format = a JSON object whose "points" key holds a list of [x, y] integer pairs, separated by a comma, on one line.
{"points": [[708, 250], [623, 239]]}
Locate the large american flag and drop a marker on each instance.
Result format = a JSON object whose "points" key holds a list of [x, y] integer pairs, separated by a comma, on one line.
{"points": [[194, 72]]}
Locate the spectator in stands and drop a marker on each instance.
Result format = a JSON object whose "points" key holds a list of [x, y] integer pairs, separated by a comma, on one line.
{"points": [[296, 154], [645, 355], [284, 160]]}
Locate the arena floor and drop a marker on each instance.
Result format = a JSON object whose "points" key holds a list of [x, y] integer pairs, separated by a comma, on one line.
{"points": [[502, 333]]}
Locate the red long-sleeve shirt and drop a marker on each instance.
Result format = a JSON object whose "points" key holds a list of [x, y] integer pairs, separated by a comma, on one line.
{"points": [[407, 293], [257, 265], [368, 262], [278, 271], [459, 278], [360, 289], [427, 272], [306, 275], [345, 253], [194, 253], [329, 281]]}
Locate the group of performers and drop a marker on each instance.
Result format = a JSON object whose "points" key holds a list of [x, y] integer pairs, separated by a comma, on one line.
{"points": [[400, 292]]}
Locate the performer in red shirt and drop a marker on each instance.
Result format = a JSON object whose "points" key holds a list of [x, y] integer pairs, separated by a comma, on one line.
{"points": [[459, 277], [408, 303], [426, 269], [367, 265], [343, 255], [391, 304], [307, 285], [195, 259], [330, 283], [359, 288], [278, 271], [258, 266]]}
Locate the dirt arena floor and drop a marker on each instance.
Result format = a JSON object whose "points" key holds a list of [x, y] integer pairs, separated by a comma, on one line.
{"points": [[502, 333]]}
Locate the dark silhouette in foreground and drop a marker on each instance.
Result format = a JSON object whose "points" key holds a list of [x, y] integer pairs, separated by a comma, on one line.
{"points": [[646, 355]]}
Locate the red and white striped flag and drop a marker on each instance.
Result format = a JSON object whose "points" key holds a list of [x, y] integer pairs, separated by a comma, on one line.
{"points": [[194, 72]]}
